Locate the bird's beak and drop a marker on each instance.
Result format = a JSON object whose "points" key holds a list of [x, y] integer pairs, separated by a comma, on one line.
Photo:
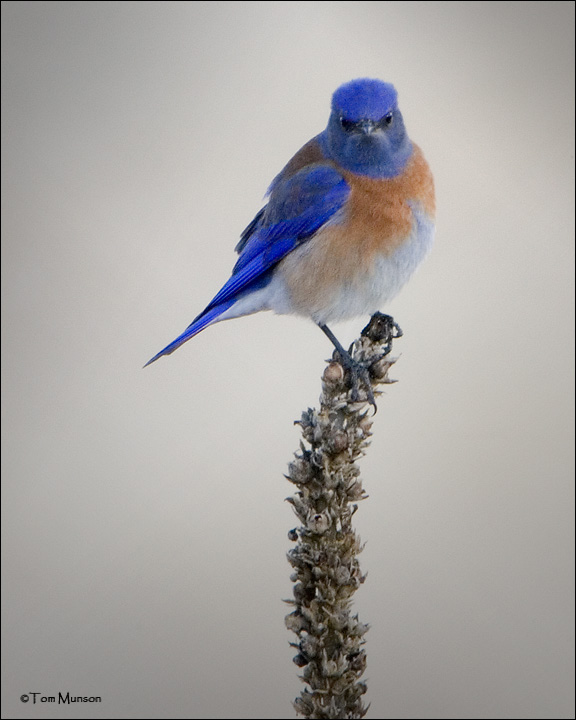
{"points": [[367, 126]]}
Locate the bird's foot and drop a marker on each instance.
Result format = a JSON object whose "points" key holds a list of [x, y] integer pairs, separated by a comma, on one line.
{"points": [[359, 376], [382, 329], [360, 361]]}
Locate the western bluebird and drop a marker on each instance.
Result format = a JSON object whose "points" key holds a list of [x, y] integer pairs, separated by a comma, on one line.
{"points": [[347, 221]]}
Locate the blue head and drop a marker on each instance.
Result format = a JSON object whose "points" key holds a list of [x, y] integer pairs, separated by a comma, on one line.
{"points": [[366, 133]]}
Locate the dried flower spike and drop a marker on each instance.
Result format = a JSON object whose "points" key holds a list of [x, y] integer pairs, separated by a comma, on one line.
{"points": [[325, 554]]}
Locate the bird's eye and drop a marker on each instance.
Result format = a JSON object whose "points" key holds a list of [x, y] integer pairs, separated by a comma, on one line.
{"points": [[347, 125], [387, 120]]}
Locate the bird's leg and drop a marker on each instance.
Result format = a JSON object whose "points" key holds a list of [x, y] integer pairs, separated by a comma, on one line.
{"points": [[356, 369]]}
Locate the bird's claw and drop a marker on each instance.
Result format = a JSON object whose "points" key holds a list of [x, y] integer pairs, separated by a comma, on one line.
{"points": [[359, 373], [381, 330]]}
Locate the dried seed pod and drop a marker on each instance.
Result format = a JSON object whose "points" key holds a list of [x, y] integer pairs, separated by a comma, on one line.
{"points": [[318, 522], [338, 441], [334, 373], [300, 660], [295, 622]]}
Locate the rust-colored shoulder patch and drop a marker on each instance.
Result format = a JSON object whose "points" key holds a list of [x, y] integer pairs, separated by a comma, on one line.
{"points": [[307, 155]]}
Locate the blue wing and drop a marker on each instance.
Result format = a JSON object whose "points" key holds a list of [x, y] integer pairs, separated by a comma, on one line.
{"points": [[298, 208]]}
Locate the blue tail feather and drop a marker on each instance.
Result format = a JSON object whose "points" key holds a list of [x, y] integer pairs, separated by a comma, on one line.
{"points": [[200, 323]]}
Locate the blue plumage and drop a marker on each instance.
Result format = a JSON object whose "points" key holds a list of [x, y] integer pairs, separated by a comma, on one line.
{"points": [[364, 99], [283, 265], [202, 321], [298, 208], [366, 133]]}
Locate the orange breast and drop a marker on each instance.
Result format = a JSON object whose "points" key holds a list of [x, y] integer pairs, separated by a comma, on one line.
{"points": [[377, 220], [379, 216]]}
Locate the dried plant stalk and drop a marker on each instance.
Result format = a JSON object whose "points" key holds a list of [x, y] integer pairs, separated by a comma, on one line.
{"points": [[325, 557]]}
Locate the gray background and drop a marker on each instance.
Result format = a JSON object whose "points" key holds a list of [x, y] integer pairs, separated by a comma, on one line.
{"points": [[144, 515]]}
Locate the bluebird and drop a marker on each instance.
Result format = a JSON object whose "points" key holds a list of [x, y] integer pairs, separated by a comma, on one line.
{"points": [[346, 223]]}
